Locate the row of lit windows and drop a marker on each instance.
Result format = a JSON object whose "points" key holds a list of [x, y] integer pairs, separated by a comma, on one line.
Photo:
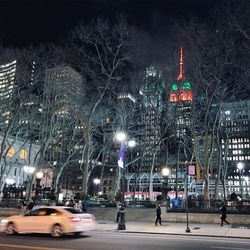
{"points": [[22, 153], [235, 140], [8, 70], [237, 189], [236, 123], [3, 95], [239, 146], [237, 129], [7, 113], [7, 79], [8, 64], [238, 158]]}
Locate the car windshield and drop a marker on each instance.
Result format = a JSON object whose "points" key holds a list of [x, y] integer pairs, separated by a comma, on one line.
{"points": [[73, 211]]}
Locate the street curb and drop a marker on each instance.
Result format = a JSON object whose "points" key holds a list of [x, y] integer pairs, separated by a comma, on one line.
{"points": [[181, 234]]}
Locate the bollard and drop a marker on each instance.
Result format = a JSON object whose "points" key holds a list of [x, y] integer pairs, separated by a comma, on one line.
{"points": [[121, 224]]}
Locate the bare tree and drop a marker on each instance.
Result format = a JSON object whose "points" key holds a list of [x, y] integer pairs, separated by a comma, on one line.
{"points": [[102, 51]]}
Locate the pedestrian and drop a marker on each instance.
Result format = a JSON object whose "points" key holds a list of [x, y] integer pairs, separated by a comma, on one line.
{"points": [[158, 214], [23, 206], [118, 214], [71, 203], [223, 214], [30, 205], [85, 206]]}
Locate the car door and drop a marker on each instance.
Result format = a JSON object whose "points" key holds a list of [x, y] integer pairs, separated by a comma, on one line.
{"points": [[28, 222], [47, 217]]}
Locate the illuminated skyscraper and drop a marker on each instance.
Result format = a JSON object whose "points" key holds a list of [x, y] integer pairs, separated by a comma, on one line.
{"points": [[63, 87], [181, 98], [7, 83], [152, 107], [235, 142]]}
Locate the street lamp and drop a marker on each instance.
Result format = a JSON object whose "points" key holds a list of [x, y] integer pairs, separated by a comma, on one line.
{"points": [[29, 170], [165, 174], [240, 167], [120, 136], [132, 144], [39, 176], [96, 182]]}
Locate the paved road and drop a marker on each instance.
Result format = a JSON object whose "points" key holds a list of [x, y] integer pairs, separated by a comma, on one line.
{"points": [[121, 241]]}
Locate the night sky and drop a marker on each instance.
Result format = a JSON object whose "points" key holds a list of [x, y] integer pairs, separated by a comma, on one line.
{"points": [[25, 22]]}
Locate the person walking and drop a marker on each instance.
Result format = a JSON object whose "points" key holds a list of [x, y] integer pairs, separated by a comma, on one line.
{"points": [[30, 205], [71, 203], [223, 214], [85, 206], [158, 214]]}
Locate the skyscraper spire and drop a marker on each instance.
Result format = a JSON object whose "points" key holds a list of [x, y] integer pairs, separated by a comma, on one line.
{"points": [[181, 67]]}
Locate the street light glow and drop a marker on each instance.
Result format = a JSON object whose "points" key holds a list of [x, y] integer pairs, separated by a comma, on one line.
{"points": [[120, 136], [165, 171], [131, 143], [97, 181], [28, 169], [39, 175], [9, 181]]}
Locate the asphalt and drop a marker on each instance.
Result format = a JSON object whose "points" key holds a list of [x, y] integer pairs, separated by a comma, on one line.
{"points": [[173, 228]]}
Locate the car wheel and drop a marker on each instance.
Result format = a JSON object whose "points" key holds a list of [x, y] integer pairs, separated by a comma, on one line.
{"points": [[10, 229], [56, 231]]}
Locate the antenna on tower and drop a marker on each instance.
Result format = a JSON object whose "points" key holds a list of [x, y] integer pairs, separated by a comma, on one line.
{"points": [[181, 67]]}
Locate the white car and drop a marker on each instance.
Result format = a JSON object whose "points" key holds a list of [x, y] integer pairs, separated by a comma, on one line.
{"points": [[49, 219]]}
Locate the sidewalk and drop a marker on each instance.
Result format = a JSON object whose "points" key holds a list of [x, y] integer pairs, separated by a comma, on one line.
{"points": [[213, 230]]}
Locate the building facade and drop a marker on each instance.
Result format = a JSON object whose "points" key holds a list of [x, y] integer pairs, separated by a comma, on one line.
{"points": [[62, 91], [235, 143]]}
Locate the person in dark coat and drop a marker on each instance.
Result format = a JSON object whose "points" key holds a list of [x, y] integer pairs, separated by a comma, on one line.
{"points": [[158, 214], [30, 205], [223, 214], [71, 203], [85, 206]]}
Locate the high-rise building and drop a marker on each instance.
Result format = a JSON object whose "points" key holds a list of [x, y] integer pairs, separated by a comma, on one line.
{"points": [[235, 143], [150, 136], [63, 87], [180, 111], [181, 98], [7, 84]]}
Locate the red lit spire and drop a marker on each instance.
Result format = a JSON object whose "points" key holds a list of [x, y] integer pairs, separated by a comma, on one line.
{"points": [[181, 67]]}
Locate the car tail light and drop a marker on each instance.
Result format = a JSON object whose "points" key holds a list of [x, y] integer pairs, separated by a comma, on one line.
{"points": [[75, 219]]}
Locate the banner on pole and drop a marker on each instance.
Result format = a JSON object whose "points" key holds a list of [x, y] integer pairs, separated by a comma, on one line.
{"points": [[121, 156], [191, 170]]}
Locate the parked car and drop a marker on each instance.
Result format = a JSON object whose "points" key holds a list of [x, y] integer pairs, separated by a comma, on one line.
{"points": [[53, 220]]}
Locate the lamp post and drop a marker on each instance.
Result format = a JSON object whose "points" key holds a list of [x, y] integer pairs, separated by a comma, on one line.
{"points": [[39, 176], [240, 167], [165, 174], [29, 170], [190, 170], [96, 182], [132, 144], [121, 137]]}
